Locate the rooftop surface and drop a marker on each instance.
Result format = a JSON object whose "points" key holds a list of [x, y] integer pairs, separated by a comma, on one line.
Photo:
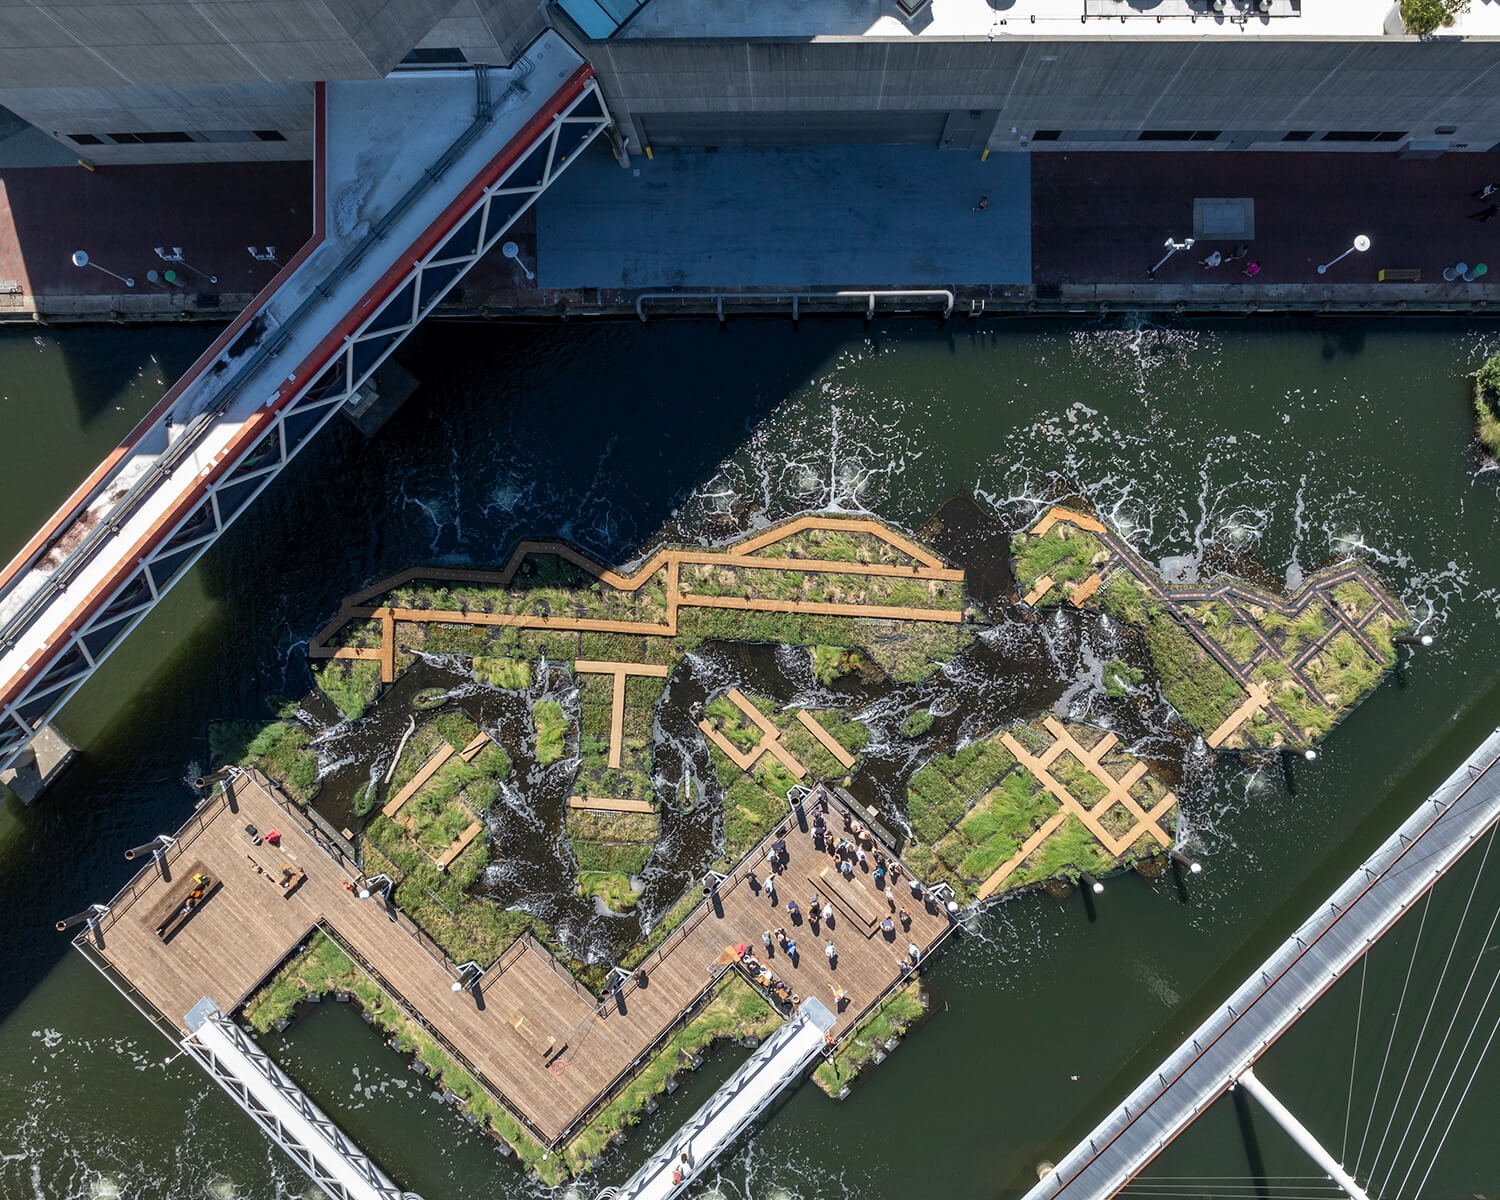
{"points": [[797, 20], [826, 216]]}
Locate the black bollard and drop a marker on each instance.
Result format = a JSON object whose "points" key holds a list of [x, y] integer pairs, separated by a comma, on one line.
{"points": [[1193, 866]]}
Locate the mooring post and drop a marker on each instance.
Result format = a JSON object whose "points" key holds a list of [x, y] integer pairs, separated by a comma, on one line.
{"points": [[468, 975], [376, 885], [1181, 859], [1091, 883], [92, 915]]}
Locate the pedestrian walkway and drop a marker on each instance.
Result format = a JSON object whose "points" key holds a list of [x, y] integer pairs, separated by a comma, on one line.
{"points": [[664, 568], [386, 246], [779, 1062], [1320, 951], [795, 217]]}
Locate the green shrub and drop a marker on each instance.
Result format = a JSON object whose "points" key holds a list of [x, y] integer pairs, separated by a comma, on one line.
{"points": [[1487, 403], [1421, 17], [512, 674], [551, 731], [350, 683], [1120, 677], [278, 748], [917, 723]]}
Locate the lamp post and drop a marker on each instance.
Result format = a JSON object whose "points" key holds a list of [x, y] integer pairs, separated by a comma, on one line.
{"points": [[513, 252], [1361, 243], [81, 259], [176, 257], [1172, 248]]}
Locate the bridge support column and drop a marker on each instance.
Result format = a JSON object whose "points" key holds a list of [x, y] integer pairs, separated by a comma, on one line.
{"points": [[1300, 1134], [39, 764]]}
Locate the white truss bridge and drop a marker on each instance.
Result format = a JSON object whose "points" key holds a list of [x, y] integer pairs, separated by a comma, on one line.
{"points": [[416, 177]]}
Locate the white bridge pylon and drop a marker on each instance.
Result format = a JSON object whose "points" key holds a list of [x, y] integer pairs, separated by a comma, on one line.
{"points": [[1300, 1134]]}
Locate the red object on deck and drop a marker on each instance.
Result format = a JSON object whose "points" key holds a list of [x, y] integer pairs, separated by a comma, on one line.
{"points": [[273, 836]]}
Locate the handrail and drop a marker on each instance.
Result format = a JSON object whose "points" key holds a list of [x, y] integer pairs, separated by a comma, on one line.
{"points": [[869, 295], [415, 1014]]}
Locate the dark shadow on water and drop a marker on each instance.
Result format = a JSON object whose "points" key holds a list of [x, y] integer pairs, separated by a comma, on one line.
{"points": [[1254, 1160], [517, 432]]}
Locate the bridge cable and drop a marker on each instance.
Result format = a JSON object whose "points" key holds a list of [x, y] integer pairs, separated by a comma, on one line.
{"points": [[1452, 1075], [1431, 1008], [1452, 1020], [1391, 1041], [1464, 1096], [1364, 971]]}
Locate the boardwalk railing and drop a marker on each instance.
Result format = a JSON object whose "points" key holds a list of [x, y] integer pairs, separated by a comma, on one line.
{"points": [[142, 879], [415, 1014], [1322, 949]]}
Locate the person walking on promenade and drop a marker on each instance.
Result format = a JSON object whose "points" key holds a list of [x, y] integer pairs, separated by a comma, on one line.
{"points": [[1252, 268], [1213, 260], [833, 954], [770, 945], [828, 915], [1239, 252], [1487, 192], [1487, 213]]}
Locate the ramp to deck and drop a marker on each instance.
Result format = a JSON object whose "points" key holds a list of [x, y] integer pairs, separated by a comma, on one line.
{"points": [[279, 1107], [775, 1066]]}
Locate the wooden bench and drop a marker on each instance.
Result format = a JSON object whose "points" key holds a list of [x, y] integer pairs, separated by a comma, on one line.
{"points": [[188, 898], [865, 904], [539, 1040], [1400, 275]]}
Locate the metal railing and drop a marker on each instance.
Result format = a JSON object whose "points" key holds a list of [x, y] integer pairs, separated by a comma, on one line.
{"points": [[138, 883], [415, 1015], [840, 301]]}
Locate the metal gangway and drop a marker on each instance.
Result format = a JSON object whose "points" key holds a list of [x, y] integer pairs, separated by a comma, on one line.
{"points": [[778, 1063], [1220, 1053], [416, 177], [280, 1108]]}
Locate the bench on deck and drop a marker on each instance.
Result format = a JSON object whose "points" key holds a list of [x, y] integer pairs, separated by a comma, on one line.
{"points": [[533, 1035], [864, 904], [1400, 275], [188, 897]]}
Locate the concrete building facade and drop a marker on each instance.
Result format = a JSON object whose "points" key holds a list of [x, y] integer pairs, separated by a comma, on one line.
{"points": [[196, 80]]}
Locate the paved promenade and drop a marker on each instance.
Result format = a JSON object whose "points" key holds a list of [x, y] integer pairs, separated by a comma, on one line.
{"points": [[1062, 230], [119, 215]]}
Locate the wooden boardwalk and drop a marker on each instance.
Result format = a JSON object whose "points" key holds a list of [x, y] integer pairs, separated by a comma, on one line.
{"points": [[542, 1043], [925, 566]]}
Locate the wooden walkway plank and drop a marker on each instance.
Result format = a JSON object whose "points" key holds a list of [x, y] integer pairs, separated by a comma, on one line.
{"points": [[829, 742], [439, 756], [610, 804], [248, 926]]}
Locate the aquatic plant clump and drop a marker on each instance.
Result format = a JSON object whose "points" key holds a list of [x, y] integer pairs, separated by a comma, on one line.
{"points": [[1246, 669], [1487, 404]]}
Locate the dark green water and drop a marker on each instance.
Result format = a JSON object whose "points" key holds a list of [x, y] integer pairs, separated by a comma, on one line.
{"points": [[1298, 442]]}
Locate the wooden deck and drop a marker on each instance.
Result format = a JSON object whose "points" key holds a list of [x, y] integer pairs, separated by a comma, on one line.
{"points": [[538, 1038]]}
